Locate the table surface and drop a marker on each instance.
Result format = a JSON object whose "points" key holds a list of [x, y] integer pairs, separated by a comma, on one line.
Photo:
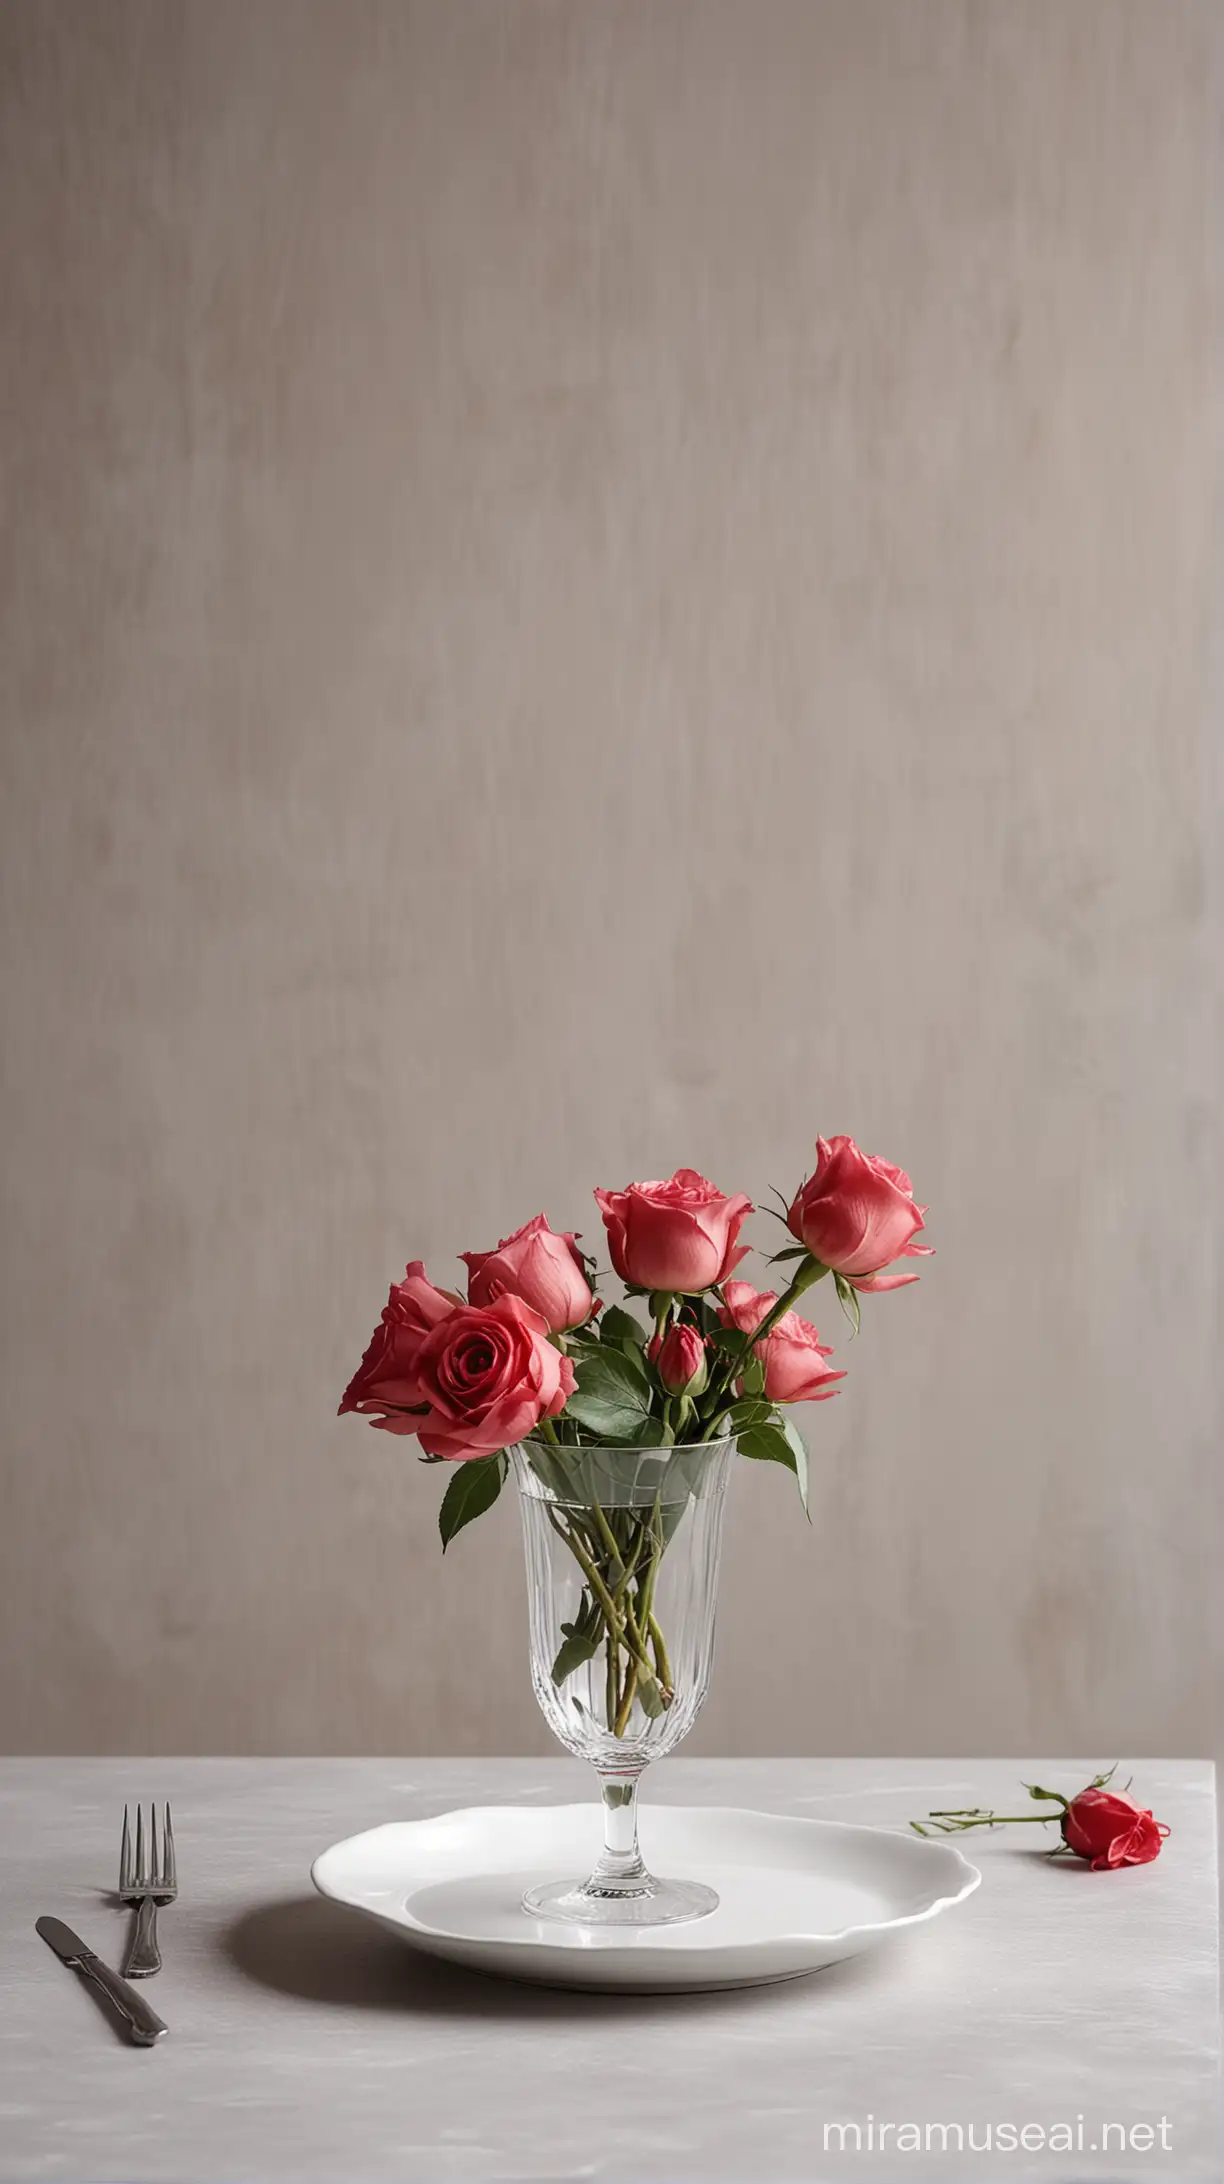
{"points": [[308, 2043]]}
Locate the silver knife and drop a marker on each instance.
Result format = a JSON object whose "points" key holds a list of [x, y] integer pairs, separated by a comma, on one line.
{"points": [[143, 2023]]}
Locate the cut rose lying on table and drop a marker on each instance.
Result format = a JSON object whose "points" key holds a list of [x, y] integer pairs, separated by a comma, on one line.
{"points": [[1099, 1825], [532, 1356]]}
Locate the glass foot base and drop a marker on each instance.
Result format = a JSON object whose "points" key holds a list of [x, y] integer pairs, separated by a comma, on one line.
{"points": [[645, 1903]]}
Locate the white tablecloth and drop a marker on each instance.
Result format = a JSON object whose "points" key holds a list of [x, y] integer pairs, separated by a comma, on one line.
{"points": [[308, 2044]]}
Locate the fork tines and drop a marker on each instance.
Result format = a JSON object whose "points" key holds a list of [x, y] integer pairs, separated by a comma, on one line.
{"points": [[151, 1872]]}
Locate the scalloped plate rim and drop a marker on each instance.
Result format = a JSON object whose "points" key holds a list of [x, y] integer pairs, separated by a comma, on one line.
{"points": [[619, 1965]]}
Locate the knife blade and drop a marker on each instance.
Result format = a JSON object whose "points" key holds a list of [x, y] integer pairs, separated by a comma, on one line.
{"points": [[143, 2023]]}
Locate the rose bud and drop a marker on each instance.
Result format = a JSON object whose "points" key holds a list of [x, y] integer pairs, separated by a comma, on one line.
{"points": [[792, 1353], [384, 1378], [488, 1374], [678, 1236], [679, 1357], [538, 1265], [857, 1214], [1109, 1831]]}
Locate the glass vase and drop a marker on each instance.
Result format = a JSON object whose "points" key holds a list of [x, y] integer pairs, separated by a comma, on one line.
{"points": [[622, 1574]]}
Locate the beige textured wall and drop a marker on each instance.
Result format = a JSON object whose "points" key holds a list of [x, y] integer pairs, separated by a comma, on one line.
{"points": [[587, 586]]}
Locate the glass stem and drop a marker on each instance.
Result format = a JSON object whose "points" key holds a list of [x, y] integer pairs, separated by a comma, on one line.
{"points": [[621, 1863]]}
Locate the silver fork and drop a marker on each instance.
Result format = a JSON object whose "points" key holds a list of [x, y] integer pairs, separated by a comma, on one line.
{"points": [[146, 1881]]}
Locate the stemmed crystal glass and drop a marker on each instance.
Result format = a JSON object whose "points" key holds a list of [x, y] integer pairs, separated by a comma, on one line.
{"points": [[622, 1552]]}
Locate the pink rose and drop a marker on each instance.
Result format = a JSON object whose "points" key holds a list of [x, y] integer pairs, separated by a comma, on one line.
{"points": [[384, 1377], [792, 1353], [680, 1356], [541, 1267], [488, 1374], [676, 1236], [857, 1214]]}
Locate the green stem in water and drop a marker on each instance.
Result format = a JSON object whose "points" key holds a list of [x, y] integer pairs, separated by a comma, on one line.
{"points": [[610, 1541], [634, 1640], [635, 1556], [646, 1615], [654, 1533], [628, 1695], [662, 1664], [626, 1633], [589, 1571]]}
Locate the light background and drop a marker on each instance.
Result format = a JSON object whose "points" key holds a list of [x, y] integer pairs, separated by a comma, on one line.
{"points": [[590, 586]]}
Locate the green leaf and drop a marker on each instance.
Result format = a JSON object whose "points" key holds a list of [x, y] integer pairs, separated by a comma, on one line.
{"points": [[766, 1444], [650, 1698], [793, 1251], [731, 1339], [588, 1622], [474, 1488], [798, 1449], [771, 1445], [573, 1654], [753, 1376], [751, 1410], [655, 1433], [671, 1516], [620, 1331], [613, 1399], [553, 1465], [848, 1298], [684, 1472], [629, 1354]]}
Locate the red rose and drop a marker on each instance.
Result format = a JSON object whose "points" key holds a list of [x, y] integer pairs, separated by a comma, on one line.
{"points": [[541, 1267], [680, 1356], [488, 1374], [857, 1214], [1109, 1831], [674, 1236], [792, 1353], [384, 1377]]}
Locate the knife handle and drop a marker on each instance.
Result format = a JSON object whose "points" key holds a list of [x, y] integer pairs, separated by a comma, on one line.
{"points": [[143, 2023]]}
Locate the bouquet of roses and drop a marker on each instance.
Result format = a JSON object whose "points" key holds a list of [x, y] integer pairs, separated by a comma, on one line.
{"points": [[533, 1358]]}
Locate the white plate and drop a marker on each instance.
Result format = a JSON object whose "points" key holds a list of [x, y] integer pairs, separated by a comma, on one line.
{"points": [[794, 1894]]}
